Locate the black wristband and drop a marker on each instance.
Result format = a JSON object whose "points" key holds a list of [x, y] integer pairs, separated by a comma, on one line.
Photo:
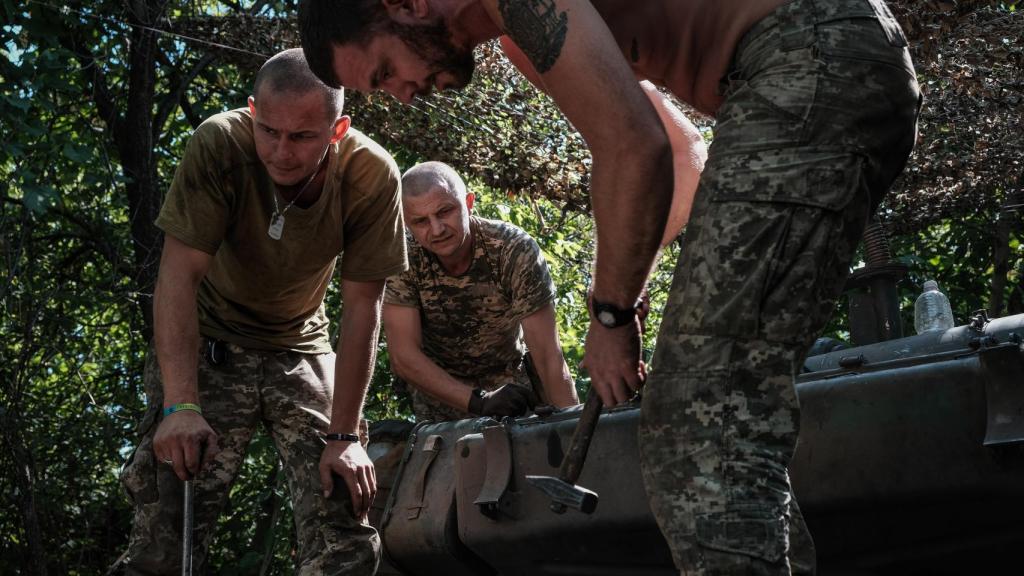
{"points": [[611, 316], [341, 437]]}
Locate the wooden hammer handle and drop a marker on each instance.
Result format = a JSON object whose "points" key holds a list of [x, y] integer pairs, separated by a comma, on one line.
{"points": [[572, 464]]}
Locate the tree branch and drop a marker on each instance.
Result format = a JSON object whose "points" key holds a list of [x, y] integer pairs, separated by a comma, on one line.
{"points": [[92, 73], [193, 119], [175, 96]]}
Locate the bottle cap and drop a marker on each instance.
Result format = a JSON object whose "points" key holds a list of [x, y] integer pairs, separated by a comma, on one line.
{"points": [[930, 285]]}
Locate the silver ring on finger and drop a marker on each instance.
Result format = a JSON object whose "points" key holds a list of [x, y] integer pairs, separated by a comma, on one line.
{"points": [[169, 462]]}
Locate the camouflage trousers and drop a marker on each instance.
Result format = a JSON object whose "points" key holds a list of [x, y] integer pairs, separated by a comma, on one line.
{"points": [[290, 394], [819, 117]]}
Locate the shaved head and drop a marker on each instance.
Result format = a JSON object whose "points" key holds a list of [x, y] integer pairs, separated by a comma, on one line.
{"points": [[436, 207], [422, 178], [287, 73]]}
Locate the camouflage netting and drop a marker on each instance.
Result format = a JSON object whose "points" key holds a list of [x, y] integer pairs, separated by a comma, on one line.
{"points": [[970, 155], [969, 159]]}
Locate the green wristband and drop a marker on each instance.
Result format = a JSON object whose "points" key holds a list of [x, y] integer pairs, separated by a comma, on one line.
{"points": [[183, 406]]}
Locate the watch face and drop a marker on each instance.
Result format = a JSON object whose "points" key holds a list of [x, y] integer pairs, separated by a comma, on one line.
{"points": [[606, 318]]}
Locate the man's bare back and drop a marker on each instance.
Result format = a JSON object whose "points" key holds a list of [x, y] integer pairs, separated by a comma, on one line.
{"points": [[683, 45]]}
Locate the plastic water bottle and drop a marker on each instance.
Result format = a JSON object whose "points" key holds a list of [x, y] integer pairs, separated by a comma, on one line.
{"points": [[932, 311]]}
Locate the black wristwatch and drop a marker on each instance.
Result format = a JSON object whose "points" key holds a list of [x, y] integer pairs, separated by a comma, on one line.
{"points": [[610, 315]]}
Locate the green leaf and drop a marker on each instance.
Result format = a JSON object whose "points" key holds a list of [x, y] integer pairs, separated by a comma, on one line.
{"points": [[18, 102], [13, 149], [77, 153], [38, 198]]}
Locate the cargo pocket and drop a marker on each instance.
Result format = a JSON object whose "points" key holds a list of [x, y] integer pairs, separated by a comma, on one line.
{"points": [[806, 177], [759, 533], [770, 224], [138, 475]]}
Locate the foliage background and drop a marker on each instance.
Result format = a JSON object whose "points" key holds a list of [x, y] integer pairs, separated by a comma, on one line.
{"points": [[98, 99]]}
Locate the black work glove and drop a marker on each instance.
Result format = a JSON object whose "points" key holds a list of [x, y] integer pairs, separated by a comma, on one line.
{"points": [[509, 400]]}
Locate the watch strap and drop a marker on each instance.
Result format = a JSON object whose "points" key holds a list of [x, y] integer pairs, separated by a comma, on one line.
{"points": [[610, 315]]}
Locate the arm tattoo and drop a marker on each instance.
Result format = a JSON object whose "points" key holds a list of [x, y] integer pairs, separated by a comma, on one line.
{"points": [[536, 28]]}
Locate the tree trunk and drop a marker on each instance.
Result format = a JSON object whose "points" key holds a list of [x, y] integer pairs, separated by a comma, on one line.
{"points": [[135, 145], [24, 478], [1012, 217], [1001, 264], [1016, 301], [13, 434]]}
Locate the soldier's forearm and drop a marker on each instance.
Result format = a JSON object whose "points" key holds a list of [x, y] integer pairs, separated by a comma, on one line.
{"points": [[418, 370], [176, 338], [356, 355], [630, 208], [559, 386], [351, 380]]}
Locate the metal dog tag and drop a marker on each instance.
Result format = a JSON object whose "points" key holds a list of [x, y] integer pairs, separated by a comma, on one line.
{"points": [[276, 226]]}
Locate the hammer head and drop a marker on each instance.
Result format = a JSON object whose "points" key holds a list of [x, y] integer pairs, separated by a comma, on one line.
{"points": [[564, 495]]}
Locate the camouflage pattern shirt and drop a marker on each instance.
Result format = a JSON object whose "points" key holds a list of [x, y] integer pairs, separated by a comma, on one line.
{"points": [[471, 323]]}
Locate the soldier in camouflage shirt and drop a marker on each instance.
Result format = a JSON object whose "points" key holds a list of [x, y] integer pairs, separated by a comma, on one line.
{"points": [[477, 294]]}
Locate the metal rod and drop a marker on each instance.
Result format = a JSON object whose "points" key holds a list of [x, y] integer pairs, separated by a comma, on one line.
{"points": [[186, 536]]}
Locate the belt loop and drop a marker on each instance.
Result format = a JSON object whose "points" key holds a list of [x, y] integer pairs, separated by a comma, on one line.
{"points": [[796, 24], [893, 32]]}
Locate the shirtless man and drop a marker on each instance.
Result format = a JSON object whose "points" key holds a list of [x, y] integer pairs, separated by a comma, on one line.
{"points": [[816, 104]]}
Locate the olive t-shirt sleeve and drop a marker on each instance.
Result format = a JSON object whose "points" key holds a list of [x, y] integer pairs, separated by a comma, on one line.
{"points": [[374, 230], [528, 276], [197, 205]]}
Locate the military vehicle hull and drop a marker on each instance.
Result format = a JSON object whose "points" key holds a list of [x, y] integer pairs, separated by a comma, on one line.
{"points": [[910, 461]]}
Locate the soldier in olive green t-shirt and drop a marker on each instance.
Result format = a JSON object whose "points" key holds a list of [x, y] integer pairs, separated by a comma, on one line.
{"points": [[477, 294], [264, 203]]}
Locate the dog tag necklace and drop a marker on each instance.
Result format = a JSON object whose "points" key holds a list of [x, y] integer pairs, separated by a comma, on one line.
{"points": [[277, 218]]}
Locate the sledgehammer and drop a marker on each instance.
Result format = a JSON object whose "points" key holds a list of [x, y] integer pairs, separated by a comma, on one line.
{"points": [[563, 490]]}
